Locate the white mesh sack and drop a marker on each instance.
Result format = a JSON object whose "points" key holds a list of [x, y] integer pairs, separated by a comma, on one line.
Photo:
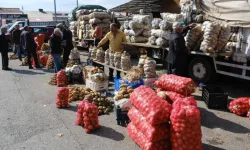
{"points": [[99, 15], [192, 37], [135, 32], [95, 21], [161, 42], [165, 25], [146, 33], [223, 37], [136, 25], [152, 40], [172, 17], [139, 39], [144, 19], [156, 23]]}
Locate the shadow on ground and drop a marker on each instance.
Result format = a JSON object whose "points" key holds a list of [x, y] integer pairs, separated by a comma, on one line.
{"points": [[211, 147], [109, 133], [210, 120], [28, 72]]}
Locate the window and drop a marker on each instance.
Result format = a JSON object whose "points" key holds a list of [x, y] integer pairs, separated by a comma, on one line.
{"points": [[40, 30]]}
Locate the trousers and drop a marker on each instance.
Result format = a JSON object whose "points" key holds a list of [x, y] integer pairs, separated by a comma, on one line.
{"points": [[31, 53], [5, 60], [57, 62]]}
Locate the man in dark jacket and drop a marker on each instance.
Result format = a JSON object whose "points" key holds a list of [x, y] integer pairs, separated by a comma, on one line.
{"points": [[178, 53], [4, 50], [28, 43], [56, 48], [67, 37], [16, 38]]}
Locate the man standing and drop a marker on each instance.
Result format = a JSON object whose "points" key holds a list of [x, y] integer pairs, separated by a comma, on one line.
{"points": [[178, 53], [4, 49], [97, 34], [67, 37], [29, 44], [16, 35], [115, 38]]}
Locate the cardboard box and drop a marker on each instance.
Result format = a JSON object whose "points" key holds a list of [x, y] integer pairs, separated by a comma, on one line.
{"points": [[97, 86]]}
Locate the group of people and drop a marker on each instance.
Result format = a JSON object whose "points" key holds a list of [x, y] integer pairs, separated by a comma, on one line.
{"points": [[24, 44]]}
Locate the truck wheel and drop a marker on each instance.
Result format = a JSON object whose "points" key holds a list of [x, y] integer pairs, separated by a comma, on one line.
{"points": [[201, 70]]}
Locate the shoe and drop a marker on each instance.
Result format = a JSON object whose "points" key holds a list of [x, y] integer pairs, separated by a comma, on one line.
{"points": [[37, 67], [31, 68], [7, 69]]}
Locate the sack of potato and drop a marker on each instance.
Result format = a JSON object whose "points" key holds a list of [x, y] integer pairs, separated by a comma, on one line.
{"points": [[50, 63]]}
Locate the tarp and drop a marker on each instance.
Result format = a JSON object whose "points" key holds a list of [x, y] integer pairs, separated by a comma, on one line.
{"points": [[234, 12], [72, 14]]}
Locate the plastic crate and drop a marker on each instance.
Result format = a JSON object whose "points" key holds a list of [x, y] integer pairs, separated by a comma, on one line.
{"points": [[214, 97], [118, 83], [121, 116]]}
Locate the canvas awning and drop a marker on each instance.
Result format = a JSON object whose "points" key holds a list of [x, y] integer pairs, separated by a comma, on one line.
{"points": [[234, 12], [135, 5]]}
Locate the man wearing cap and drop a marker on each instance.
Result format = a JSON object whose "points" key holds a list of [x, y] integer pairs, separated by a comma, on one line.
{"points": [[178, 53], [28, 43], [4, 49]]}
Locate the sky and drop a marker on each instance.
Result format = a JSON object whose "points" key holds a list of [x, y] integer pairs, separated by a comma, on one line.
{"points": [[62, 5]]}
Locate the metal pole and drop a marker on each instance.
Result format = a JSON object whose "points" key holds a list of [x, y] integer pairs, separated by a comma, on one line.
{"points": [[55, 10], [77, 3]]}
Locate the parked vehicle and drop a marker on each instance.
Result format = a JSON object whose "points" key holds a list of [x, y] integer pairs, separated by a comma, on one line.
{"points": [[47, 31]]}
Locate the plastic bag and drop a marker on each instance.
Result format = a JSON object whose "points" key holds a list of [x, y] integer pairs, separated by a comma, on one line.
{"points": [[152, 107], [62, 98], [61, 78], [181, 85], [152, 133], [185, 131], [240, 106], [124, 104], [137, 136]]}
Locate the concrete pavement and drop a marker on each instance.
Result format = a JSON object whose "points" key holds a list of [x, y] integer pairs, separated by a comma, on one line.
{"points": [[29, 119]]}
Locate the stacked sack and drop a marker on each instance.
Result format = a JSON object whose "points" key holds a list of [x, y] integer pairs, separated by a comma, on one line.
{"points": [[73, 28], [211, 33], [185, 123], [125, 61], [87, 116], [192, 37], [149, 126], [62, 98], [100, 55], [102, 19], [240, 106], [83, 17], [138, 29], [160, 32], [150, 68], [223, 37]]}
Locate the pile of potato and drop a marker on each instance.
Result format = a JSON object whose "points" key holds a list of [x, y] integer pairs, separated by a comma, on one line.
{"points": [[124, 92], [104, 104], [71, 63], [53, 80], [12, 57], [77, 93], [45, 46]]}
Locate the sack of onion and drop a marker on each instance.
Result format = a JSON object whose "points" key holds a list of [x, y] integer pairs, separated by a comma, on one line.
{"points": [[90, 117], [62, 98], [44, 59], [240, 106], [61, 78], [152, 133], [79, 116], [185, 102], [151, 106], [181, 85], [185, 131], [170, 96], [138, 137]]}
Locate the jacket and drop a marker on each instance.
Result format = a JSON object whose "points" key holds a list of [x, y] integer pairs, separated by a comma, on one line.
{"points": [[16, 36], [55, 44], [3, 44], [27, 41], [177, 48], [67, 36]]}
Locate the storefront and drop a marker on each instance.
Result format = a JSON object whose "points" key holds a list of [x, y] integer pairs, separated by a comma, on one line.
{"points": [[10, 15]]}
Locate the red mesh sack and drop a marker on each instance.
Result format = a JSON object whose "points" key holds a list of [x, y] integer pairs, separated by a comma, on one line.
{"points": [[79, 117], [185, 101], [185, 131], [43, 60], [152, 133], [152, 107], [61, 78], [182, 85], [248, 114], [62, 98], [138, 137], [90, 117], [240, 106]]}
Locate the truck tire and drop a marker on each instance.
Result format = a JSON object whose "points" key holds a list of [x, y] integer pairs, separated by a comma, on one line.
{"points": [[201, 70]]}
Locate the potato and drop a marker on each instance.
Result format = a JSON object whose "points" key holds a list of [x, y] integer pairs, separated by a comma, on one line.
{"points": [[126, 96], [130, 90], [124, 85]]}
